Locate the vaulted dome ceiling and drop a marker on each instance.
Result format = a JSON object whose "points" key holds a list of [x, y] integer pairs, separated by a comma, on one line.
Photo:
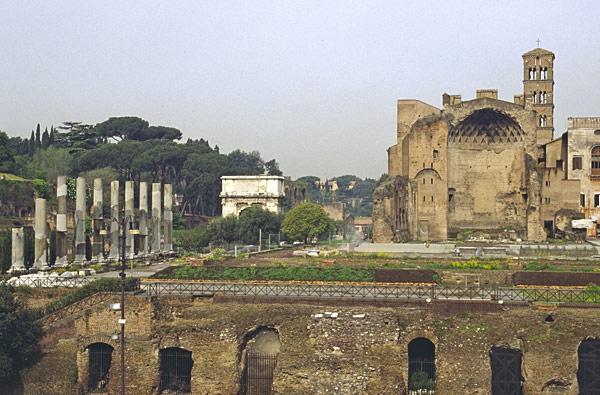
{"points": [[487, 126]]}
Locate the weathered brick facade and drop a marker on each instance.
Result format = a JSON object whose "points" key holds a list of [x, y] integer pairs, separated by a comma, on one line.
{"points": [[350, 354]]}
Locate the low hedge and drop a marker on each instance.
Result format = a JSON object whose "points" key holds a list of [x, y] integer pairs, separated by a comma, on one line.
{"points": [[566, 279], [298, 273]]}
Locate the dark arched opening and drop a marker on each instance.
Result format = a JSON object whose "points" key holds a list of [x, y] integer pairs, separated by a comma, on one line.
{"points": [[99, 361], [588, 372], [175, 370], [259, 358], [506, 371], [421, 365]]}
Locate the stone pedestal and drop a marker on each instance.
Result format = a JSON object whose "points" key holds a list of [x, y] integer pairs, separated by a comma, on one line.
{"points": [[98, 223], [156, 218], [18, 248], [143, 219], [41, 238], [114, 221], [168, 218], [129, 219], [80, 221], [61, 222]]}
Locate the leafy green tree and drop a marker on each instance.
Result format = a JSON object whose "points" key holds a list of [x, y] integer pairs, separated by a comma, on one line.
{"points": [[191, 240], [134, 128], [201, 173], [76, 136], [20, 350], [223, 229], [245, 163], [6, 151], [254, 218], [272, 168], [305, 222], [47, 164]]}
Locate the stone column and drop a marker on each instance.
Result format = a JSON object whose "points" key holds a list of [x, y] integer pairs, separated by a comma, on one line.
{"points": [[129, 220], [114, 221], [156, 217], [143, 218], [41, 242], [61, 222], [98, 222], [80, 221], [18, 248], [168, 217]]}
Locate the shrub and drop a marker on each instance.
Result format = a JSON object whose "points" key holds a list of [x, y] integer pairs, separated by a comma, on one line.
{"points": [[191, 240], [19, 344]]}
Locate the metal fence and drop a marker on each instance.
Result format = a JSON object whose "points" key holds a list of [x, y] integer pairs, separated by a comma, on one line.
{"points": [[369, 291]]}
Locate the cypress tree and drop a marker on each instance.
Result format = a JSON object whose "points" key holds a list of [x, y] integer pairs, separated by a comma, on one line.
{"points": [[38, 139], [45, 139], [51, 140], [32, 143]]}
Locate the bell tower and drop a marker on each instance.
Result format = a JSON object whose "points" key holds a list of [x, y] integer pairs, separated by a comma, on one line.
{"points": [[538, 86]]}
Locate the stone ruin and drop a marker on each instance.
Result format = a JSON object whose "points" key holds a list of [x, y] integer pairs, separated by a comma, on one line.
{"points": [[153, 231]]}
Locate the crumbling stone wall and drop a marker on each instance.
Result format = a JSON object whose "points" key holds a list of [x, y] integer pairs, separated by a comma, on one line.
{"points": [[333, 348]]}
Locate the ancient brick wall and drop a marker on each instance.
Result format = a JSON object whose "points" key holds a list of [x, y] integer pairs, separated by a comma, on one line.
{"points": [[358, 350]]}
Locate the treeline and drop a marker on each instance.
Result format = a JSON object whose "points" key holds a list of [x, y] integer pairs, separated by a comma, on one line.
{"points": [[128, 148]]}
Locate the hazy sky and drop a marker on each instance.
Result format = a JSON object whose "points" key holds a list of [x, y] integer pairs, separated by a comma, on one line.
{"points": [[312, 84]]}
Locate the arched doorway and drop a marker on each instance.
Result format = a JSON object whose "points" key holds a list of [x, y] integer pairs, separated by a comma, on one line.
{"points": [[175, 371], [588, 372], [260, 358], [506, 371], [421, 366], [99, 362]]}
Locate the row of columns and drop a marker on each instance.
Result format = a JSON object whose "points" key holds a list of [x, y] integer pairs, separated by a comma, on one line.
{"points": [[149, 229]]}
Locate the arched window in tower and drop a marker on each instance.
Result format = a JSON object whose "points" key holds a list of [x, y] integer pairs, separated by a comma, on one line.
{"points": [[544, 97], [531, 73], [535, 97], [596, 161], [543, 121], [535, 73]]}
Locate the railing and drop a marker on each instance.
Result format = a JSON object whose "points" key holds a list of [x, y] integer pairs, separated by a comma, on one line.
{"points": [[369, 291], [76, 307]]}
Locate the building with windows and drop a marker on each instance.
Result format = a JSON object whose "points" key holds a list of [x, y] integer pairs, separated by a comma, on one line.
{"points": [[489, 166]]}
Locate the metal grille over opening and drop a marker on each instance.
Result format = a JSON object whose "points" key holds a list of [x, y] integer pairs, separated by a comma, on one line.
{"points": [[588, 374], [259, 357], [506, 371], [175, 371], [421, 367], [99, 360], [258, 375]]}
